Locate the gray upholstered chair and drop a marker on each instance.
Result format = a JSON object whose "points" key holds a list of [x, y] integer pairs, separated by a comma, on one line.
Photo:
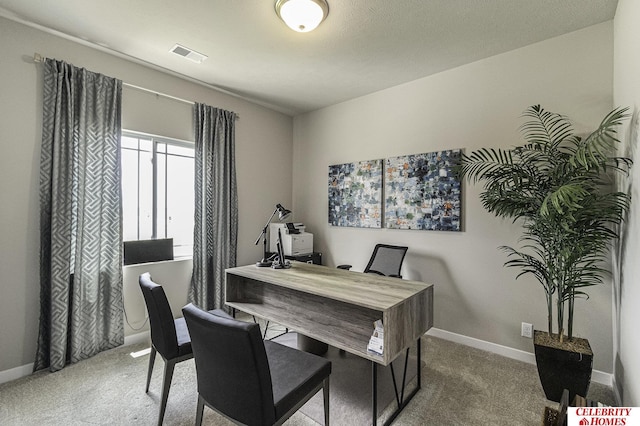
{"points": [[386, 260], [169, 337], [247, 379]]}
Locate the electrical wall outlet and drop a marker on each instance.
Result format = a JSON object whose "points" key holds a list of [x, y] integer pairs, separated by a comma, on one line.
{"points": [[527, 330]]}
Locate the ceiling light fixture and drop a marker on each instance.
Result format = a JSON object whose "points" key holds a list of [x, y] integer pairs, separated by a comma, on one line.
{"points": [[302, 15]]}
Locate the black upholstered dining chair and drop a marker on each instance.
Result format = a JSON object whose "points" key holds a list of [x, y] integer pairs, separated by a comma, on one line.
{"points": [[386, 260], [169, 336], [247, 379]]}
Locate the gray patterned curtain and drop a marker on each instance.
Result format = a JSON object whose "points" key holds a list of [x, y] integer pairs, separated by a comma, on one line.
{"points": [[80, 216], [216, 205]]}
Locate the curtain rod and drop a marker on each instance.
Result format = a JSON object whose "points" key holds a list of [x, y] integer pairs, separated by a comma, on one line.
{"points": [[39, 58]]}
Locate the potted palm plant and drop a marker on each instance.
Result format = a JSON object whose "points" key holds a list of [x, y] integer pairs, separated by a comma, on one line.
{"points": [[558, 185]]}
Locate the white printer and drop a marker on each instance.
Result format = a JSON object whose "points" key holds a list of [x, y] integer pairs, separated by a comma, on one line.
{"points": [[295, 241]]}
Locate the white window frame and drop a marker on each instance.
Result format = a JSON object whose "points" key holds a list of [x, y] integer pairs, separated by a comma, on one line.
{"points": [[155, 140]]}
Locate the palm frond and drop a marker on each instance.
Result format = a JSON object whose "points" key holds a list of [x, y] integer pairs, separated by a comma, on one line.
{"points": [[557, 184], [565, 199], [482, 163], [545, 129], [594, 150]]}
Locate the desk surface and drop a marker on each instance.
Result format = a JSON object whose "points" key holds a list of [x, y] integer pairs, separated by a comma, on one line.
{"points": [[335, 306], [368, 290]]}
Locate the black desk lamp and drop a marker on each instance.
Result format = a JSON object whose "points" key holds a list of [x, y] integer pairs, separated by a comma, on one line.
{"points": [[282, 215]]}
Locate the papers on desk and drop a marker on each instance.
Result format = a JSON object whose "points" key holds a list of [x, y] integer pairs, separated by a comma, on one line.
{"points": [[376, 342]]}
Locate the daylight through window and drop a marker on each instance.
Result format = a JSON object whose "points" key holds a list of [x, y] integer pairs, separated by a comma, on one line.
{"points": [[157, 190]]}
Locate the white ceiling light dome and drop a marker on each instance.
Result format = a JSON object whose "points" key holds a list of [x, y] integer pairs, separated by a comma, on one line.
{"points": [[302, 15]]}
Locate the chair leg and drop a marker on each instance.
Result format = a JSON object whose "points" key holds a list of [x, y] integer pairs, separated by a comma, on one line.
{"points": [[166, 384], [325, 393], [266, 328], [152, 359], [199, 411]]}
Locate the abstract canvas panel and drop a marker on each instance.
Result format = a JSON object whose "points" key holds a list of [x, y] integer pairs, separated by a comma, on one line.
{"points": [[355, 194], [421, 192]]}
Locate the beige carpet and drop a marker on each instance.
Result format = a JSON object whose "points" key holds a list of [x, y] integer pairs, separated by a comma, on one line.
{"points": [[351, 392], [460, 386]]}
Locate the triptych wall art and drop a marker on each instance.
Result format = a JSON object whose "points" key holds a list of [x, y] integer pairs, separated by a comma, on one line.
{"points": [[420, 192]]}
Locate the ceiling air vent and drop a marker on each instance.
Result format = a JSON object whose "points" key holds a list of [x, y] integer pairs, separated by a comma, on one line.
{"points": [[188, 53]]}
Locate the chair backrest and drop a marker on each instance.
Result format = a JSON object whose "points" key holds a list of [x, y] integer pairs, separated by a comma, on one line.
{"points": [[386, 260], [163, 329], [232, 366]]}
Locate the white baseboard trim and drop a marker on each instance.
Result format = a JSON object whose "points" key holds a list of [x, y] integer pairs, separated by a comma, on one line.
{"points": [[143, 337], [16, 373], [602, 378], [27, 369], [528, 357], [597, 376]]}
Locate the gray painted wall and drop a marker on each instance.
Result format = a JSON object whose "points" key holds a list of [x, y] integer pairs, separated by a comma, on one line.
{"points": [[473, 106], [263, 137], [626, 92], [469, 107]]}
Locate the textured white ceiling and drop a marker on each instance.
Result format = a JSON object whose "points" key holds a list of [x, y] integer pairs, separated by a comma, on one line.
{"points": [[363, 46]]}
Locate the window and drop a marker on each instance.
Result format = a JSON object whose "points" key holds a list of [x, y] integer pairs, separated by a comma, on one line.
{"points": [[158, 190]]}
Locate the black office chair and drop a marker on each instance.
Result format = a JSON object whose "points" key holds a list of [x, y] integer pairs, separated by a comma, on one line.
{"points": [[169, 337], [247, 379], [385, 260]]}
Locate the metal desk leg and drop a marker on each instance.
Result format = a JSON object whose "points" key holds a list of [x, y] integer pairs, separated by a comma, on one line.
{"points": [[374, 389], [401, 401]]}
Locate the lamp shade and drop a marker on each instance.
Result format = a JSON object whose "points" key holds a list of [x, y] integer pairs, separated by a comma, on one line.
{"points": [[282, 212], [302, 15]]}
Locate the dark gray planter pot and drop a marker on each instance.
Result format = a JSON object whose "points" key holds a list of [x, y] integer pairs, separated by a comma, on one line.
{"points": [[561, 369]]}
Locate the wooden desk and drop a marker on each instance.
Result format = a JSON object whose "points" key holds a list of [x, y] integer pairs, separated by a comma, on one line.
{"points": [[337, 307]]}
